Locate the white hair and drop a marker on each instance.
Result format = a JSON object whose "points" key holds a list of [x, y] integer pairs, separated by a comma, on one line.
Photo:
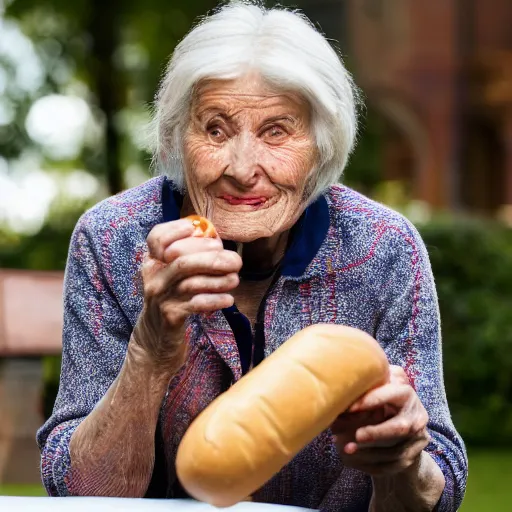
{"points": [[288, 52]]}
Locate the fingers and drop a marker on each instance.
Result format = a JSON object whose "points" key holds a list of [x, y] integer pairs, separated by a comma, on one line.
{"points": [[398, 375], [392, 444], [350, 422], [202, 264], [175, 312], [409, 448], [384, 460], [207, 263], [207, 284], [393, 430], [206, 302], [169, 240], [391, 394], [163, 235], [190, 245], [387, 433]]}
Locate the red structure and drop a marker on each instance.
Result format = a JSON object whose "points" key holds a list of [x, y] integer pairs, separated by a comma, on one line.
{"points": [[30, 327], [439, 73]]}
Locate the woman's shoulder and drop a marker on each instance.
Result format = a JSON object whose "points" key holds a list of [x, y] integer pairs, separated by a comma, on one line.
{"points": [[109, 241], [135, 209], [348, 204], [364, 222], [140, 204]]}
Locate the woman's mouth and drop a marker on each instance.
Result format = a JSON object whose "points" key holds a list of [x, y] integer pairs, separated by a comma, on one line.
{"points": [[247, 200]]}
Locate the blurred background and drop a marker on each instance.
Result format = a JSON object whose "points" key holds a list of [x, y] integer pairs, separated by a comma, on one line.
{"points": [[76, 84]]}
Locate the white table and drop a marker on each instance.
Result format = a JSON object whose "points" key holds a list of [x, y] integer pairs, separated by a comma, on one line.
{"points": [[15, 504]]}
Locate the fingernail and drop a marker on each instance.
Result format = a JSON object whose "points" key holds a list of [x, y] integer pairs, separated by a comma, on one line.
{"points": [[362, 437], [350, 448]]}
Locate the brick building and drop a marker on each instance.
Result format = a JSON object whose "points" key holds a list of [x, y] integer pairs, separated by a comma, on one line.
{"points": [[439, 73]]}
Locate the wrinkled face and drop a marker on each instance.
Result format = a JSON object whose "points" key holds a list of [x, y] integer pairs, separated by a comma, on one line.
{"points": [[248, 153]]}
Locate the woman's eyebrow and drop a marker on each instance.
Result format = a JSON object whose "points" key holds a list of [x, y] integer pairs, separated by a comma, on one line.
{"points": [[212, 111], [280, 117]]}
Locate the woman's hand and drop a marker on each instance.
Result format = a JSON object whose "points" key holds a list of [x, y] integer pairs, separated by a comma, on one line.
{"points": [[182, 274], [385, 431]]}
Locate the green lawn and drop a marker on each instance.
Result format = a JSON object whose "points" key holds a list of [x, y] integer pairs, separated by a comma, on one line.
{"points": [[22, 490], [489, 484]]}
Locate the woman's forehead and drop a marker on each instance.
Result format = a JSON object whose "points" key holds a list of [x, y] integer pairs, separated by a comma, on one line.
{"points": [[246, 92]]}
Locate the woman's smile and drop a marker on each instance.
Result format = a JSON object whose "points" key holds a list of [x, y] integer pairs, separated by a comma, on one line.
{"points": [[249, 200], [246, 203]]}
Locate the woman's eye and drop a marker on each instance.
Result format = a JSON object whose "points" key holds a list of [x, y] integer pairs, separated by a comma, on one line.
{"points": [[216, 133], [274, 133]]}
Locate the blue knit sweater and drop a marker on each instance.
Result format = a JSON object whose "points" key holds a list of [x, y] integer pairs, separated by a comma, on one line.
{"points": [[352, 262]]}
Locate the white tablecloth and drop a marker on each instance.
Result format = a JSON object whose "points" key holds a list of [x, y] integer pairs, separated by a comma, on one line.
{"points": [[15, 504]]}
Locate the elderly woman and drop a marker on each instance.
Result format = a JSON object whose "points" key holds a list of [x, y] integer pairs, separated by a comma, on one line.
{"points": [[255, 121]]}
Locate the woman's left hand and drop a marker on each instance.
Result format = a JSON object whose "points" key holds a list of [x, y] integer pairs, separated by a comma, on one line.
{"points": [[385, 431]]}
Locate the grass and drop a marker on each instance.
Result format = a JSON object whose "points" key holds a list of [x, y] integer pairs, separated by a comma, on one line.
{"points": [[22, 490], [489, 484]]}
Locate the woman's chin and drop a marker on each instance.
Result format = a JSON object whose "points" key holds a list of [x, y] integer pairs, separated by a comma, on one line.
{"points": [[243, 237], [248, 226]]}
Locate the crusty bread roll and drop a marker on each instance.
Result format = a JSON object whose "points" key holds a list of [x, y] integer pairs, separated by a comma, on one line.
{"points": [[251, 431]]}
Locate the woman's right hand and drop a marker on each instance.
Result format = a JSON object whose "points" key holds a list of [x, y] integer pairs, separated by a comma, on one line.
{"points": [[182, 274]]}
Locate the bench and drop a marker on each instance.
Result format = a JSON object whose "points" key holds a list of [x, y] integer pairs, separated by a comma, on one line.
{"points": [[30, 328]]}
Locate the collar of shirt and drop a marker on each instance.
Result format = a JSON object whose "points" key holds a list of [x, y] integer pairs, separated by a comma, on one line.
{"points": [[306, 236]]}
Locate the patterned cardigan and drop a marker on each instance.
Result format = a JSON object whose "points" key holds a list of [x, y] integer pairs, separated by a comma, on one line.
{"points": [[367, 268]]}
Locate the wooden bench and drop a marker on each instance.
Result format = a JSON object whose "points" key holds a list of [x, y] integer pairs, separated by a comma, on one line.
{"points": [[30, 327], [30, 313]]}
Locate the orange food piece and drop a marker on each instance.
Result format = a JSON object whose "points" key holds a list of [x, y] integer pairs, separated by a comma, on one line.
{"points": [[203, 227]]}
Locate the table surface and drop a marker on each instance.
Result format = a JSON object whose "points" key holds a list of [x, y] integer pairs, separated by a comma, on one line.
{"points": [[79, 504]]}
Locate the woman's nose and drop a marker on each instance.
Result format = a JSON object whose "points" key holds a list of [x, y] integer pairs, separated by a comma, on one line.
{"points": [[244, 166]]}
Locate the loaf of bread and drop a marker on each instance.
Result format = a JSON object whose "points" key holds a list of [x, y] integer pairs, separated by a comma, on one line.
{"points": [[247, 434]]}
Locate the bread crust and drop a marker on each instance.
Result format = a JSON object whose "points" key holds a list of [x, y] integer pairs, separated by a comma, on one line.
{"points": [[247, 434]]}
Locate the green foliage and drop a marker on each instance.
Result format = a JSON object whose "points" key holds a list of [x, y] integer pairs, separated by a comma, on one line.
{"points": [[363, 171], [51, 376], [46, 250], [472, 264]]}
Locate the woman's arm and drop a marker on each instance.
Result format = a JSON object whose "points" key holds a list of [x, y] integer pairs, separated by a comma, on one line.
{"points": [[401, 434], [383, 435], [113, 450], [100, 438], [106, 388], [94, 343], [416, 489], [410, 333]]}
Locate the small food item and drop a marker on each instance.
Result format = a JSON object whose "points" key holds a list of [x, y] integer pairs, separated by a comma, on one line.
{"points": [[247, 434], [203, 227]]}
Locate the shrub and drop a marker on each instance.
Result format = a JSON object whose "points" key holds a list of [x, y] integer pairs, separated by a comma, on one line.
{"points": [[472, 264]]}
